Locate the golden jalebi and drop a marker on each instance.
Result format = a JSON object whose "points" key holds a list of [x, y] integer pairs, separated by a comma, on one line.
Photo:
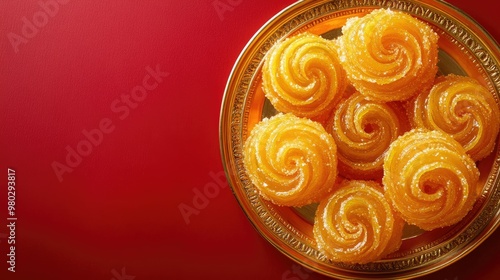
{"points": [[388, 55], [429, 179], [356, 224], [292, 161]]}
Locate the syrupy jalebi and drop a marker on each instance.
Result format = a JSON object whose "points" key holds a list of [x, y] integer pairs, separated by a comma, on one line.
{"points": [[388, 55], [363, 130], [302, 75], [292, 161], [463, 108], [429, 179], [356, 224]]}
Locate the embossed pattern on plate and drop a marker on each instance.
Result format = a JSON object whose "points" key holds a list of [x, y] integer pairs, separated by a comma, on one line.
{"points": [[465, 49]]}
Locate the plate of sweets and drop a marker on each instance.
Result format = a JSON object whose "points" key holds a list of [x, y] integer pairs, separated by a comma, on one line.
{"points": [[360, 137]]}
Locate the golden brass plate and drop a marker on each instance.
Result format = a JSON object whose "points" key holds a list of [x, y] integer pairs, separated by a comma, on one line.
{"points": [[465, 49]]}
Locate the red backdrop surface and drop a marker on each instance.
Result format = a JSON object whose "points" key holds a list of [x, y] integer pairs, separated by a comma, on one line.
{"points": [[136, 88]]}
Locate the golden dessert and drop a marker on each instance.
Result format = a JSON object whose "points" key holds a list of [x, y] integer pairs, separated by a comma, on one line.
{"points": [[463, 108], [363, 130], [292, 161], [388, 55], [356, 224], [429, 179], [302, 75]]}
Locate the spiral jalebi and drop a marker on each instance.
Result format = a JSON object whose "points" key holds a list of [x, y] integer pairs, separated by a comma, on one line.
{"points": [[388, 55], [429, 179], [302, 75], [463, 108], [292, 161], [363, 130], [356, 224]]}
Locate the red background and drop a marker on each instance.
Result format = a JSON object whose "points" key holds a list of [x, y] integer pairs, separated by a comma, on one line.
{"points": [[117, 213]]}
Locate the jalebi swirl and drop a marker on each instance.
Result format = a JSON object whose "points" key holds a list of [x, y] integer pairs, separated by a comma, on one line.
{"points": [[292, 161], [430, 179], [356, 224], [388, 55], [463, 108], [302, 75], [363, 130]]}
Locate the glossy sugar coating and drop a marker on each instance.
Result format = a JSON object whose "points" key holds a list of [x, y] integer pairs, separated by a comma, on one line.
{"points": [[302, 75], [429, 179], [356, 224], [292, 161], [388, 55], [363, 130], [463, 108]]}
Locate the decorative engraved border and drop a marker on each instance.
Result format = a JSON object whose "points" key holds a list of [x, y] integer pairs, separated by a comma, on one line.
{"points": [[419, 257]]}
